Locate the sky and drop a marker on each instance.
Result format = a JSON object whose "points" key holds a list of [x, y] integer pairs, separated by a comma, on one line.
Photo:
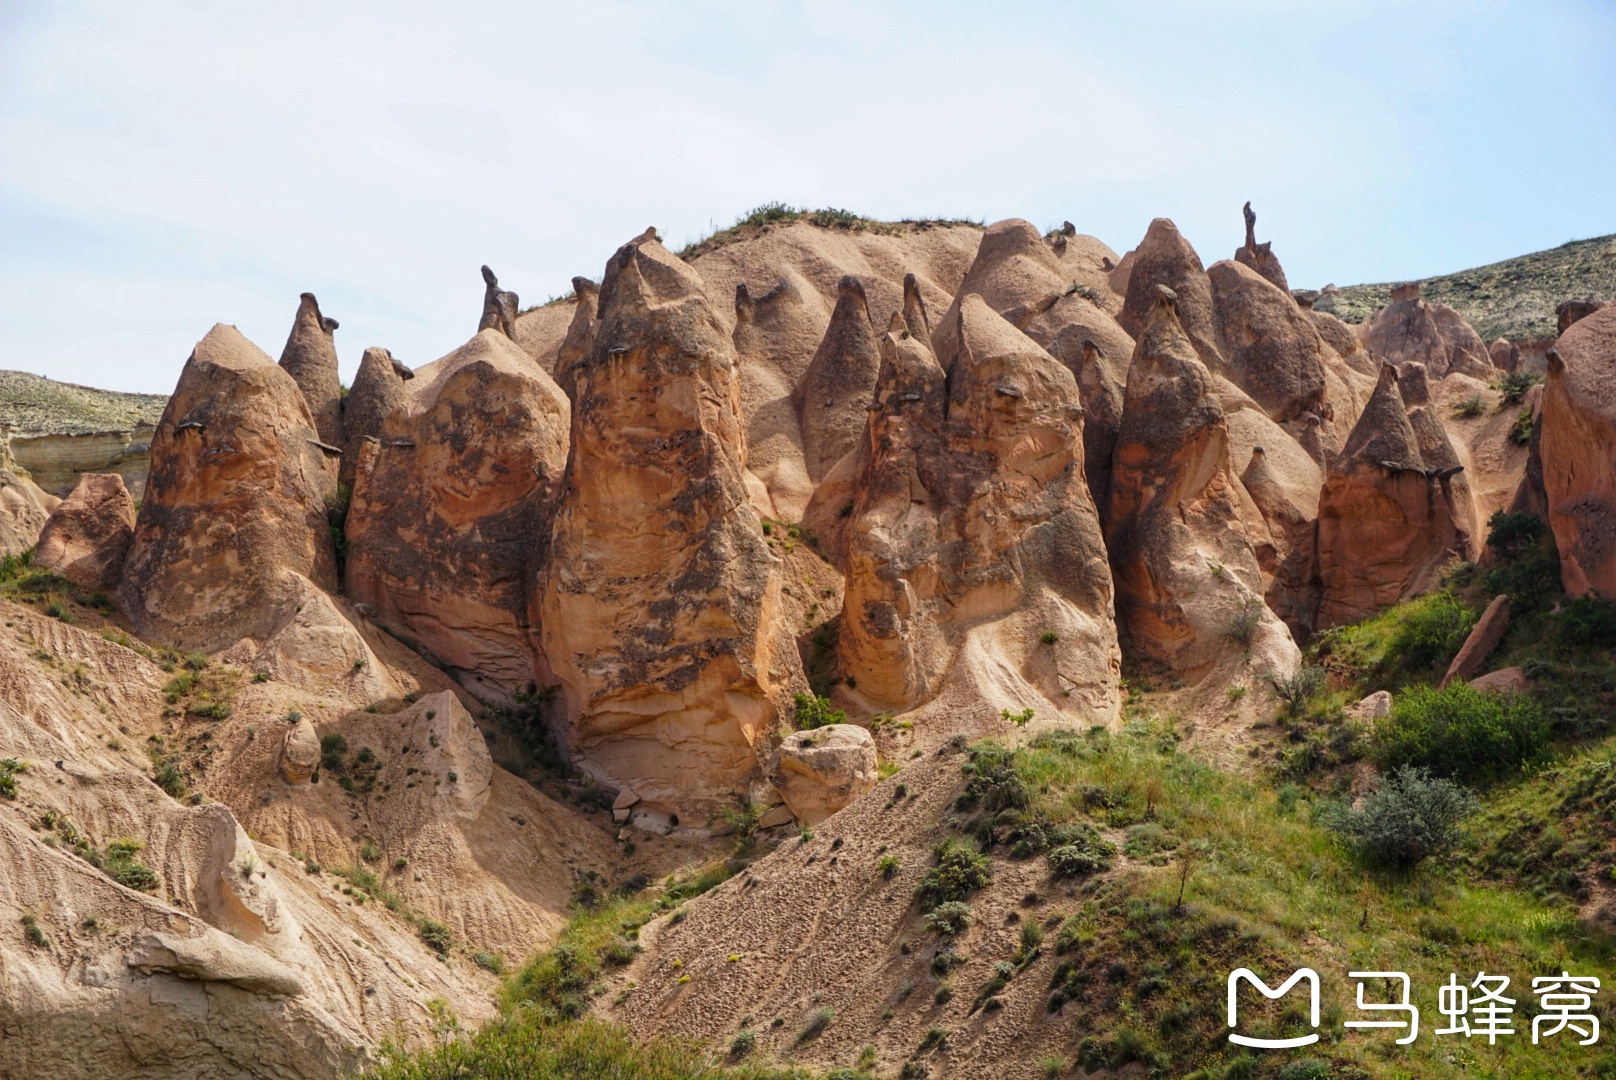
{"points": [[165, 166]]}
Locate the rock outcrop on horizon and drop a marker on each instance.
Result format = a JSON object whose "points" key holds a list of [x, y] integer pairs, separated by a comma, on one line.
{"points": [[451, 507], [87, 537], [1435, 335], [1578, 432], [310, 358], [659, 612], [1394, 511], [973, 532], [1183, 559], [1260, 257], [235, 506]]}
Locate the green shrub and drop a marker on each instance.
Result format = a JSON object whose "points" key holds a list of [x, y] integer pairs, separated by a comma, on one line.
{"points": [[950, 919], [888, 865], [1514, 385], [169, 777], [958, 873], [1409, 818], [488, 961], [1528, 582], [1243, 625], [1088, 855], [332, 748], [1513, 535], [818, 1021], [1430, 633], [437, 936], [1298, 688], [813, 711], [9, 768], [1520, 432], [1590, 621], [1474, 405], [1461, 732]]}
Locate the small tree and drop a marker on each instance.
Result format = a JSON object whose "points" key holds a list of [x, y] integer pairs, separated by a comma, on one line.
{"points": [[1297, 688], [1190, 857], [1411, 817]]}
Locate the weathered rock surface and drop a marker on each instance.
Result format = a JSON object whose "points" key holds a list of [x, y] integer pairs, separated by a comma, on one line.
{"points": [[1164, 257], [1568, 312], [451, 509], [378, 392], [659, 611], [87, 537], [1288, 555], [235, 507], [300, 752], [580, 337], [24, 509], [1579, 453], [820, 771], [1344, 340], [1504, 354], [1260, 257], [1389, 519], [1183, 559], [499, 307], [1271, 349], [1479, 644], [319, 649], [1509, 680], [1433, 334], [833, 393], [973, 531], [310, 358], [774, 335]]}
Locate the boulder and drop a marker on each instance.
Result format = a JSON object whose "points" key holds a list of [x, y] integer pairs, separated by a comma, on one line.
{"points": [[820, 771], [1409, 328], [1568, 312], [1579, 453], [973, 532], [660, 605], [1372, 707], [235, 506], [834, 392], [1504, 354], [1164, 257], [24, 509], [1184, 564], [310, 358], [1260, 257], [1271, 349], [87, 537], [1483, 638], [378, 392], [451, 509], [1389, 521], [1509, 680], [300, 752]]}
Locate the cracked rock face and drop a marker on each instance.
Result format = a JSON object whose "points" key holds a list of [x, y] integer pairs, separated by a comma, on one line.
{"points": [[973, 529], [1578, 449], [659, 611], [1395, 509], [235, 506], [451, 505]]}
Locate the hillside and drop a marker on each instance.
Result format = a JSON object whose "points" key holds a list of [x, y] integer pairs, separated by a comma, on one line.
{"points": [[1512, 299], [34, 405]]}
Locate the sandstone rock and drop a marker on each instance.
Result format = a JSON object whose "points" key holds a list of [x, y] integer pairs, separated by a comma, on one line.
{"points": [[1579, 453], [915, 317], [1260, 257], [1530, 495], [1344, 340], [820, 771], [769, 330], [24, 510], [973, 523], [1510, 680], [300, 752], [318, 649], [1413, 382], [1183, 561], [1272, 350], [776, 816], [1372, 707], [235, 505], [310, 358], [1288, 557], [580, 332], [214, 957], [659, 609], [499, 307], [1434, 334], [378, 392], [1504, 354], [87, 537], [446, 530], [1164, 257], [1568, 312], [833, 394], [1484, 637], [1101, 392], [1388, 521]]}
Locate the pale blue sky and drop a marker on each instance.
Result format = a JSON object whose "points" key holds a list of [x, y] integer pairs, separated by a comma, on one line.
{"points": [[164, 166]]}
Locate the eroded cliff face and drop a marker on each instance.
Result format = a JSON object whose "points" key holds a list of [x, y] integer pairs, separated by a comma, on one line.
{"points": [[235, 506], [659, 608], [1578, 448], [451, 507], [973, 533], [310, 358]]}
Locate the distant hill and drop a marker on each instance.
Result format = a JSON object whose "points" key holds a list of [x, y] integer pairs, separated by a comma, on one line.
{"points": [[1515, 298], [35, 405]]}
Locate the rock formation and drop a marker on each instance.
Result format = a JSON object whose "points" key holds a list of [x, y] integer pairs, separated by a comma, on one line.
{"points": [[820, 771], [87, 537], [1184, 564], [1568, 312], [235, 506], [1483, 638], [1164, 257], [833, 394], [1434, 334], [1271, 349], [378, 391], [24, 509], [1260, 257], [580, 332], [1393, 511], [1288, 555], [773, 336], [1344, 340], [310, 358], [1579, 453], [500, 307], [973, 524], [659, 611], [451, 507], [1504, 354]]}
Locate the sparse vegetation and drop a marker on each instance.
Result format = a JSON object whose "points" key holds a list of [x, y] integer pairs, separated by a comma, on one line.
{"points": [[1461, 732], [1243, 625], [1298, 688], [9, 768], [950, 919], [958, 873], [812, 711], [436, 935], [1410, 817], [1472, 406], [774, 214]]}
